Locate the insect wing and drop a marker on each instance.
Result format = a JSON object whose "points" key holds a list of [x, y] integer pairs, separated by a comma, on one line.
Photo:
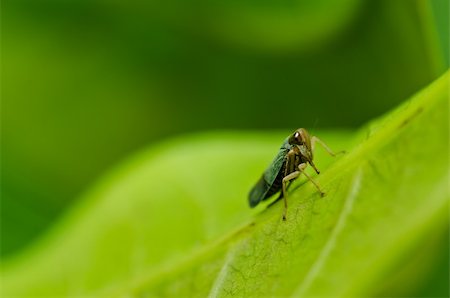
{"points": [[259, 191]]}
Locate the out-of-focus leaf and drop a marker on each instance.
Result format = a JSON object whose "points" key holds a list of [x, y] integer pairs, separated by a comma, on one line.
{"points": [[440, 10], [274, 26], [148, 229]]}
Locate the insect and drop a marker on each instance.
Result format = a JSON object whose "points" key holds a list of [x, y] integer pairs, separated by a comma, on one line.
{"points": [[294, 155]]}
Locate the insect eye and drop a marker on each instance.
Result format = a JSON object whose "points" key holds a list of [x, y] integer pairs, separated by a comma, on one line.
{"points": [[296, 138]]}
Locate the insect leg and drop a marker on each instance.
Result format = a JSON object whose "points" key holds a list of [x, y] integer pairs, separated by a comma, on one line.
{"points": [[289, 170], [286, 179], [315, 139], [301, 169]]}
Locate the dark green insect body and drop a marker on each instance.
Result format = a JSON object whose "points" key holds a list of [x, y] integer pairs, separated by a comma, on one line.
{"points": [[270, 182], [294, 155]]}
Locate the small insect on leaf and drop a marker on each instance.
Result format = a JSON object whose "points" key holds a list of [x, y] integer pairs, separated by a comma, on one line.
{"points": [[295, 154]]}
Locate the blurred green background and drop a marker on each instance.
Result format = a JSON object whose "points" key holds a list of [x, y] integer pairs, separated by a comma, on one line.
{"points": [[86, 83]]}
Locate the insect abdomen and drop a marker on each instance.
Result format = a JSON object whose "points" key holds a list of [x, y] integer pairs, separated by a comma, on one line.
{"points": [[263, 190], [276, 186]]}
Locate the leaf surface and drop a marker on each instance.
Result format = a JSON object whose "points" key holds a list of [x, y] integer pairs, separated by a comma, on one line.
{"points": [[174, 220]]}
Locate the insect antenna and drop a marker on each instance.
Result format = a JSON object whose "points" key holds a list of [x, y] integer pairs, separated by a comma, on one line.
{"points": [[316, 121]]}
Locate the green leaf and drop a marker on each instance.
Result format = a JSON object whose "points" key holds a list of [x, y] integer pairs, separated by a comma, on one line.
{"points": [[274, 26], [174, 220]]}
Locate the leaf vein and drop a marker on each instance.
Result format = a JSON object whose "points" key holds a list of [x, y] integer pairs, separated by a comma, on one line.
{"points": [[328, 247], [222, 275]]}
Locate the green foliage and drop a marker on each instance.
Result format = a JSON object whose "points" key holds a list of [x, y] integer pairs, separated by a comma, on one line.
{"points": [[173, 221], [87, 82]]}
